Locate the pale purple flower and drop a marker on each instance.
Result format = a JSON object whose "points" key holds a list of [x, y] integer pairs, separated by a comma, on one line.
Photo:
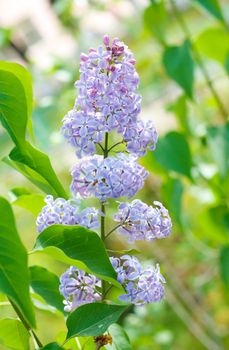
{"points": [[142, 222], [140, 136], [66, 212], [78, 288], [111, 177], [142, 286]]}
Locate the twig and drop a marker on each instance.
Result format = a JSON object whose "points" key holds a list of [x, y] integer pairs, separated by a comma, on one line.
{"points": [[27, 326]]}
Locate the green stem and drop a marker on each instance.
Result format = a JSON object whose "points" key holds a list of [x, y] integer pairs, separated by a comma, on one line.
{"points": [[103, 210], [198, 59], [25, 323]]}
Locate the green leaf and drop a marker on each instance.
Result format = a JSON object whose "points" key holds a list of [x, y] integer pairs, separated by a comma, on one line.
{"points": [[15, 109], [36, 166], [208, 44], [13, 334], [14, 272], [15, 100], [92, 319], [227, 63], [52, 346], [218, 140], [173, 153], [120, 340], [31, 202], [46, 284], [156, 20], [224, 265], [19, 191], [125, 251], [78, 246], [179, 66], [172, 192], [213, 7], [5, 35], [180, 109]]}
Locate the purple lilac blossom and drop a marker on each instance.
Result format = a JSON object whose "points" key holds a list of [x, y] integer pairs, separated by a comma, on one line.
{"points": [[78, 288], [83, 131], [140, 136], [66, 212], [142, 286], [107, 96], [142, 222], [111, 177]]}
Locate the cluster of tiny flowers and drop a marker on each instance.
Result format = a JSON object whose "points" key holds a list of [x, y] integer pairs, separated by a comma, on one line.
{"points": [[110, 177], [138, 221], [142, 285], [107, 100], [66, 212], [78, 288], [139, 136]]}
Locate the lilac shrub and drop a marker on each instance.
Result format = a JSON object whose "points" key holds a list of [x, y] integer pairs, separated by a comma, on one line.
{"points": [[107, 101]]}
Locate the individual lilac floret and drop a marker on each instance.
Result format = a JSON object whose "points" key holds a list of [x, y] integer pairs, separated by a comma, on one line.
{"points": [[140, 136], [79, 287], [111, 177], [66, 212], [83, 131], [107, 95], [142, 286], [138, 221]]}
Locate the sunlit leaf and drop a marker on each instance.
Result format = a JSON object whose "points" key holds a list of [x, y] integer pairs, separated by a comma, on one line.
{"points": [[93, 319], [208, 43], [179, 66], [13, 334], [31, 202], [218, 140], [14, 272]]}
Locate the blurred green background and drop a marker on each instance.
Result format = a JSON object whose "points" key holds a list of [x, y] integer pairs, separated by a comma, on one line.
{"points": [[182, 53]]}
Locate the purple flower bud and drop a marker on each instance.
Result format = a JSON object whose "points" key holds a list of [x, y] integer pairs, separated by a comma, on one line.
{"points": [[142, 222], [111, 177], [78, 288], [106, 40], [66, 212], [142, 286]]}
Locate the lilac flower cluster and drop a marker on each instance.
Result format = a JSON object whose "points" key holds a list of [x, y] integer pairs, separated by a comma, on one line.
{"points": [[78, 288], [142, 286], [107, 100], [140, 136], [110, 177], [66, 212], [138, 221]]}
